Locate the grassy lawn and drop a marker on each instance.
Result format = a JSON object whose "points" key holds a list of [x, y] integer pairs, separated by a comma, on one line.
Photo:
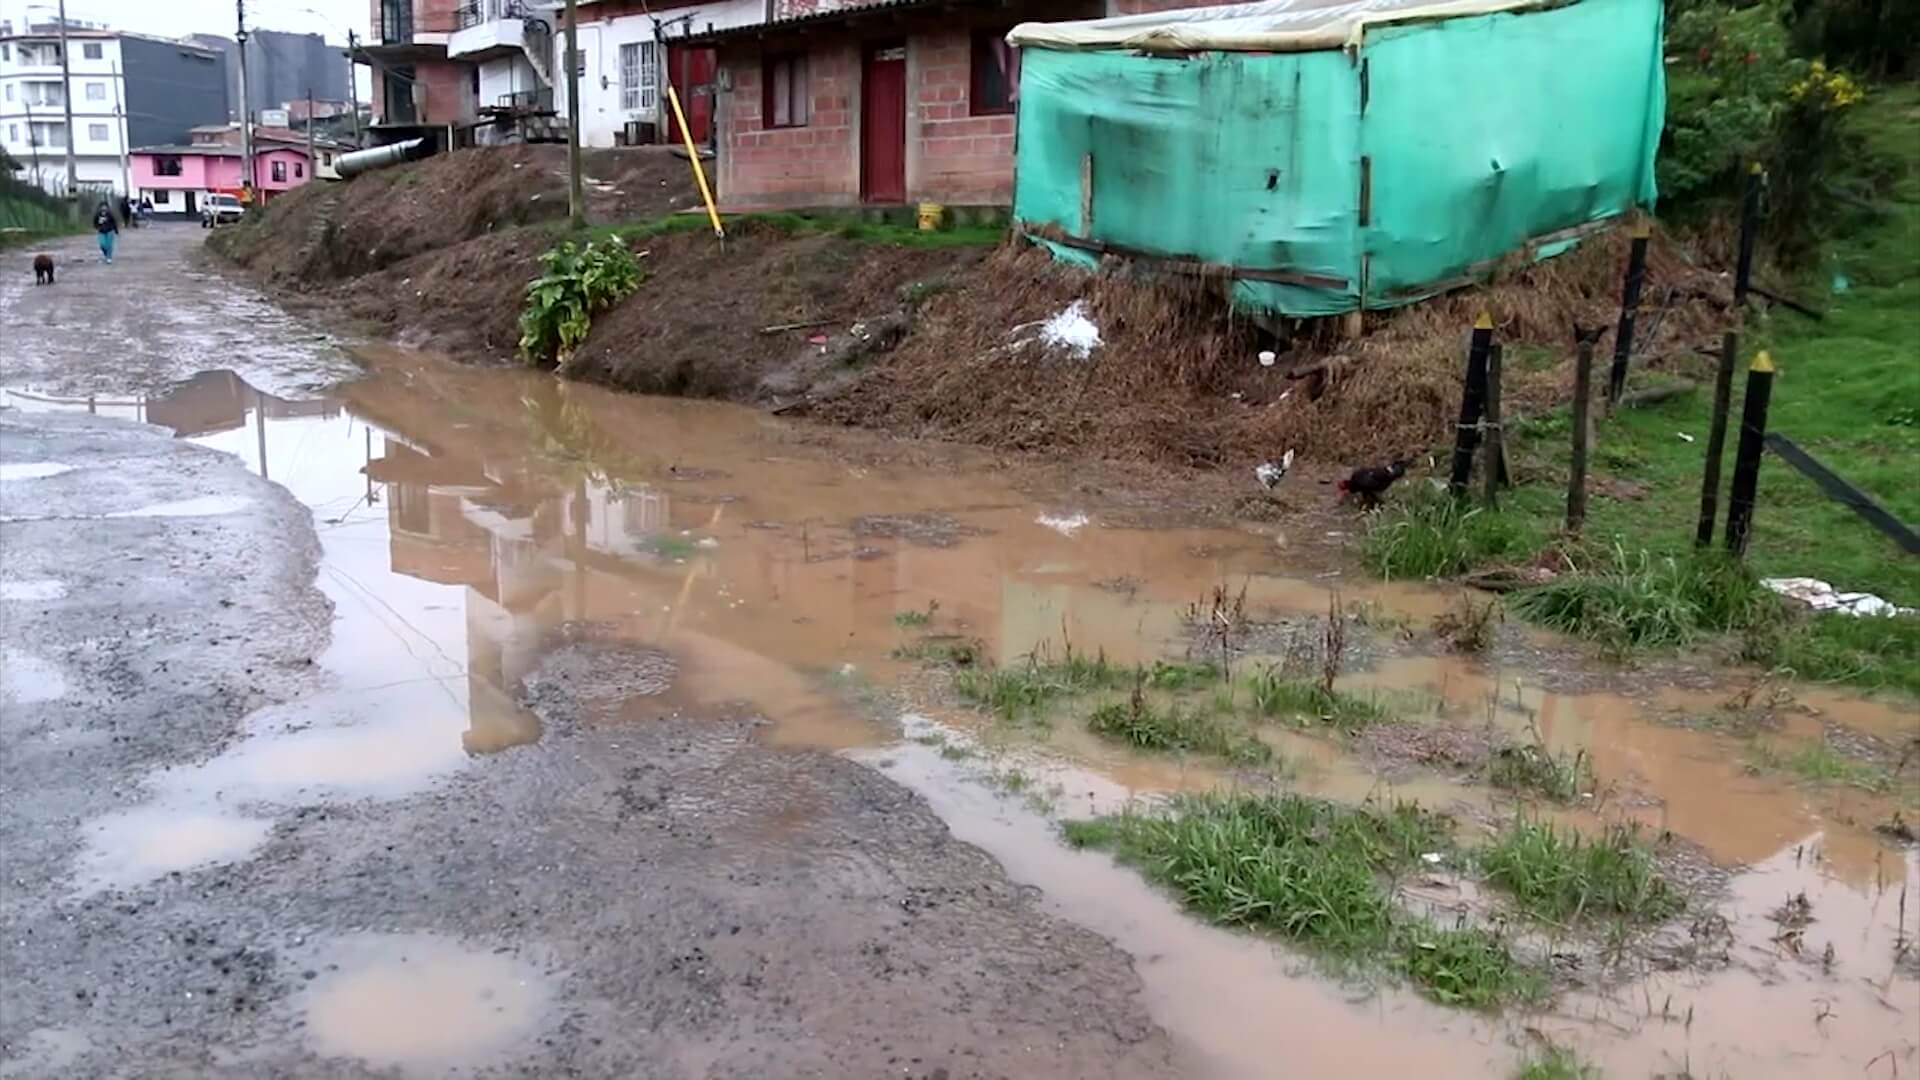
{"points": [[1848, 392]]}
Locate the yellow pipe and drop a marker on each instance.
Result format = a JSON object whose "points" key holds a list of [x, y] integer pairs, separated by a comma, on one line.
{"points": [[693, 155]]}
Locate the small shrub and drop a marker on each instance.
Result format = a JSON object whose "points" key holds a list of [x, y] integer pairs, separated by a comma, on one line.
{"points": [[1559, 875], [575, 282], [1468, 627]]}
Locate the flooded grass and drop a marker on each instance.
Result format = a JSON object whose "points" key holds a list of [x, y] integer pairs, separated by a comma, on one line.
{"points": [[668, 546], [1316, 873], [1558, 875], [907, 620], [941, 649], [1273, 695], [1145, 725], [1878, 652], [1818, 763], [1533, 768], [1555, 1063], [1429, 534]]}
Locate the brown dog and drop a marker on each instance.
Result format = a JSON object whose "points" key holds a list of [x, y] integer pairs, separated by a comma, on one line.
{"points": [[43, 269]]}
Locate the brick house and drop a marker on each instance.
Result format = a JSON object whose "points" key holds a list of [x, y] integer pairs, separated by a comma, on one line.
{"points": [[898, 101]]}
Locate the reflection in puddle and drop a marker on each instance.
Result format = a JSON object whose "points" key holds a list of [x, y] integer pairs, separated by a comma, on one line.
{"points": [[420, 1003], [31, 470], [136, 846], [470, 520], [34, 591], [26, 679]]}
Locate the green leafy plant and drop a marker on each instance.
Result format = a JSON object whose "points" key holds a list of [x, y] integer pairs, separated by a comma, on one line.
{"points": [[575, 282], [1726, 84]]}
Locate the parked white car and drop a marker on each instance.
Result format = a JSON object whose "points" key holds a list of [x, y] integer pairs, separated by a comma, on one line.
{"points": [[220, 210]]}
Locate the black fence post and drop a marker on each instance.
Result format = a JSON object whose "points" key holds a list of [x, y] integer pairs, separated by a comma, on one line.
{"points": [[1583, 342], [1629, 307], [1466, 434], [1493, 460], [1746, 459], [1716, 439], [1749, 228]]}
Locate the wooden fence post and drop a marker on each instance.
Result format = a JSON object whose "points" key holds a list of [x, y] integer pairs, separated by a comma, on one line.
{"points": [[1716, 439], [1629, 307], [1583, 342], [1746, 458], [1493, 460], [1749, 229], [1466, 433]]}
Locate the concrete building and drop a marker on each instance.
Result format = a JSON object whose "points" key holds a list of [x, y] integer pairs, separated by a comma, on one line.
{"points": [[126, 90], [510, 44], [628, 55], [281, 68], [418, 91]]}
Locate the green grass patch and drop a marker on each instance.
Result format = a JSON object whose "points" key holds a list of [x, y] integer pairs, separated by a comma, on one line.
{"points": [[1430, 534], [1315, 873], [910, 619], [1878, 653], [941, 649], [1533, 768], [668, 546], [1561, 876], [1027, 691], [1818, 763], [1273, 695], [1643, 601], [1143, 724]]}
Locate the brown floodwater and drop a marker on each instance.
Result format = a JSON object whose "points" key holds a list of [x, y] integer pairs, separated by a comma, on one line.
{"points": [[468, 519]]}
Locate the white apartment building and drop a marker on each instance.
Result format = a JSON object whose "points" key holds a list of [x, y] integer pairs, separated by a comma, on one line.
{"points": [[126, 90]]}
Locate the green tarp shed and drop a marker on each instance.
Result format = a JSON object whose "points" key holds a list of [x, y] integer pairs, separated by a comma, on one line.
{"points": [[1334, 157]]}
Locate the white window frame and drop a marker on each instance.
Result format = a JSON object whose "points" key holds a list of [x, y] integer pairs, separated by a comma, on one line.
{"points": [[96, 91], [93, 50], [640, 77], [99, 133]]}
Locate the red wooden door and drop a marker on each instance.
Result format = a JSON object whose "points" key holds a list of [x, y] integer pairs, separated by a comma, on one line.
{"points": [[883, 125], [691, 73]]}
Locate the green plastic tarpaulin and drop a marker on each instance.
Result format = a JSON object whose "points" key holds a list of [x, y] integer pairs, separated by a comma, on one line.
{"points": [[1333, 157]]}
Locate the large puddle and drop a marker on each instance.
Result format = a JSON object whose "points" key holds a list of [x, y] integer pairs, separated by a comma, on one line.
{"points": [[470, 518]]}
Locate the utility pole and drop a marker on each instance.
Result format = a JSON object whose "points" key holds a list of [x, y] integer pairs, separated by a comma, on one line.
{"points": [[246, 112], [66, 103], [33, 148], [119, 114], [576, 199], [353, 86], [312, 159]]}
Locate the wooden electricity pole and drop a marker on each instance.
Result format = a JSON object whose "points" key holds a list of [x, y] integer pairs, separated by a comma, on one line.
{"points": [[576, 198]]}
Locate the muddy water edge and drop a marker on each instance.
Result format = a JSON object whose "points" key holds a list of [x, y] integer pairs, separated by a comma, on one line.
{"points": [[489, 536]]}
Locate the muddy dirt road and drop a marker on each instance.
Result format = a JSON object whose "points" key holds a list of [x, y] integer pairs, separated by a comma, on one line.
{"points": [[244, 837], [373, 716]]}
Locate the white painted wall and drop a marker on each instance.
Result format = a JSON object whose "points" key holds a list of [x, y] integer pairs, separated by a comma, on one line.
{"points": [[601, 114], [506, 75], [93, 88]]}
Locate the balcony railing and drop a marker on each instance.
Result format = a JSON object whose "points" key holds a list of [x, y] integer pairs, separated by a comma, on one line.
{"points": [[525, 101], [398, 26], [476, 12]]}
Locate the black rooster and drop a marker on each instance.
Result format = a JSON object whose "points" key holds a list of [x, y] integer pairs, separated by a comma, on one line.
{"points": [[1370, 482]]}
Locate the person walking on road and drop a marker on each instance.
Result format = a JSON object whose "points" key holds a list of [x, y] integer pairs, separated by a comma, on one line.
{"points": [[108, 228]]}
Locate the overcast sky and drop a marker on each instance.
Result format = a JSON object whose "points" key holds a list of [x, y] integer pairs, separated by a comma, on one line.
{"points": [[178, 18]]}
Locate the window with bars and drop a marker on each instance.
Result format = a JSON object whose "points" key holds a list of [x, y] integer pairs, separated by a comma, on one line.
{"points": [[995, 74], [639, 77]]}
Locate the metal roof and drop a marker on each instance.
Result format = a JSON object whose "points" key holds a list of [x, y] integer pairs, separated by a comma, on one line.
{"points": [[850, 13]]}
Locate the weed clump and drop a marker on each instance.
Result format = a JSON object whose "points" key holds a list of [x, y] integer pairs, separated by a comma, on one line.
{"points": [[1143, 724], [1559, 875], [1532, 767], [575, 282], [1642, 602], [1315, 873], [1430, 534], [1274, 695]]}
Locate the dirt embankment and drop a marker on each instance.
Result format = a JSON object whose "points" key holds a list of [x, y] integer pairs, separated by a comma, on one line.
{"points": [[957, 343], [438, 253]]}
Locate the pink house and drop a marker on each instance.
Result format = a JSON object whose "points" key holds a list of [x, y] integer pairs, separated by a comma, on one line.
{"points": [[178, 178]]}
